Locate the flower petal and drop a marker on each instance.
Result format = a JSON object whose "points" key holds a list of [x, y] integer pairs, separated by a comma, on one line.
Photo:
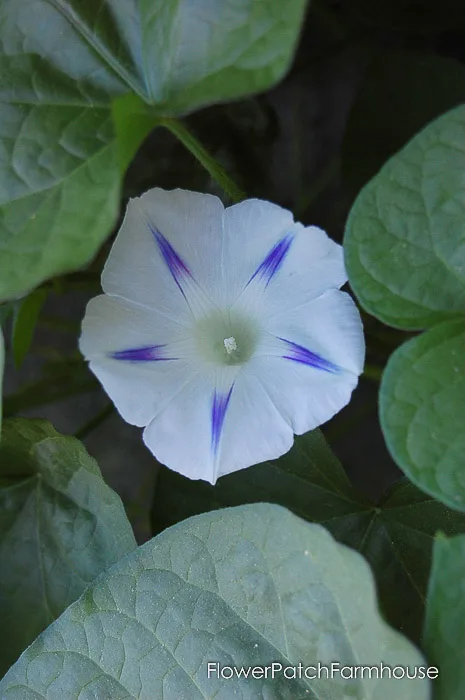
{"points": [[180, 433], [315, 263], [256, 239], [315, 381], [262, 241], [329, 326], [167, 252], [205, 432], [305, 397], [254, 430], [124, 344]]}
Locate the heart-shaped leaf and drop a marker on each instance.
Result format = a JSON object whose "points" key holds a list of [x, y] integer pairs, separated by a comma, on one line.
{"points": [[60, 526], [239, 587], [63, 64], [422, 405], [395, 535], [405, 236]]}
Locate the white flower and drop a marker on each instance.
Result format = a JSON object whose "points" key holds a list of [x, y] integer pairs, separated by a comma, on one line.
{"points": [[222, 331]]}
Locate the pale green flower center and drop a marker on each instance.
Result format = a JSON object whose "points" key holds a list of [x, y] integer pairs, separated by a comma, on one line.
{"points": [[226, 340]]}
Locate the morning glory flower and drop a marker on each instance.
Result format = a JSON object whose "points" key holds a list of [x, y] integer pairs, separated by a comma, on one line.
{"points": [[222, 331]]}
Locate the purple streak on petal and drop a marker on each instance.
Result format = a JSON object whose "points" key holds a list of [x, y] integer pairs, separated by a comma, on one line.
{"points": [[219, 407], [147, 353], [297, 353], [273, 261], [174, 262]]}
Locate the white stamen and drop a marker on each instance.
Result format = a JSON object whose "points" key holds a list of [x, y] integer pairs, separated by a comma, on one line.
{"points": [[230, 344]]}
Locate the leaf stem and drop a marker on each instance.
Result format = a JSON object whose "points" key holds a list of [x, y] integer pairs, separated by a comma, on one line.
{"points": [[211, 165]]}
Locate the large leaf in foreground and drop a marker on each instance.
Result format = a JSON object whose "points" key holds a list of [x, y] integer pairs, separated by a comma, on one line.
{"points": [[445, 617], [241, 587], [405, 236], [63, 63], [395, 536], [60, 526], [422, 409]]}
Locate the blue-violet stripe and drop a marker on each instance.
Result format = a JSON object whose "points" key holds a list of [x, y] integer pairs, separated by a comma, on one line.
{"points": [[298, 353], [219, 407], [273, 261], [174, 262], [147, 353]]}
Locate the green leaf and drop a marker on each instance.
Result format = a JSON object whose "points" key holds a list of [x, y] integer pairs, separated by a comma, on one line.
{"points": [[397, 541], [445, 617], [60, 526], [395, 536], [401, 92], [64, 63], [405, 236], [309, 480], [54, 218], [244, 586], [26, 314], [422, 405]]}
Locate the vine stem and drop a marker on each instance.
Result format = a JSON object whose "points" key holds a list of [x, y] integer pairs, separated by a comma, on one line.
{"points": [[215, 170]]}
